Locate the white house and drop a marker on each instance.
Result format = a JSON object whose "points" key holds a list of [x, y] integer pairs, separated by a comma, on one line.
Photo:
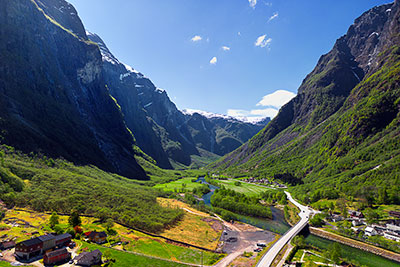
{"points": [[356, 222], [392, 236], [369, 231], [392, 227]]}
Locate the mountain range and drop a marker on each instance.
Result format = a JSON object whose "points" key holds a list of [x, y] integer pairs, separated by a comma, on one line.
{"points": [[63, 94]]}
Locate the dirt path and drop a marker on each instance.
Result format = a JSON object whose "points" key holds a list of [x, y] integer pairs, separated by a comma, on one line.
{"points": [[195, 213], [247, 237]]}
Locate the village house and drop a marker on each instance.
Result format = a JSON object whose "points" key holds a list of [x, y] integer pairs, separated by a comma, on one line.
{"points": [[392, 236], [89, 258], [370, 231], [379, 228], [7, 245], [56, 256], [97, 237], [336, 218], [28, 249], [355, 214], [393, 226], [357, 222], [63, 240]]}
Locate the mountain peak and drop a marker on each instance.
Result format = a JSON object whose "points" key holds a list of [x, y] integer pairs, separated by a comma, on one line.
{"points": [[211, 115]]}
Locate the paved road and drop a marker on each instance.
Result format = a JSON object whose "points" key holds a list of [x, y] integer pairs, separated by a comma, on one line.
{"points": [[304, 214]]}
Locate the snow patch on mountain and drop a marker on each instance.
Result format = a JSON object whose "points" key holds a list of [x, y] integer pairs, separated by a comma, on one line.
{"points": [[210, 115]]}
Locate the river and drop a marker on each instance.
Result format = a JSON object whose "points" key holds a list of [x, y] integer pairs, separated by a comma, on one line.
{"points": [[279, 225]]}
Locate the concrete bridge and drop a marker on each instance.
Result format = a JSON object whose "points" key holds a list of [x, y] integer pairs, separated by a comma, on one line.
{"points": [[305, 214]]}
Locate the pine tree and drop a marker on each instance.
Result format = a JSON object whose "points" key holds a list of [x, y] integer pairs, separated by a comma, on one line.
{"points": [[74, 219], [54, 220]]}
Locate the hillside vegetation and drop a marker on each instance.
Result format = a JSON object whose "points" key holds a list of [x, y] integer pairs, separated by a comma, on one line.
{"points": [[352, 148], [44, 184]]}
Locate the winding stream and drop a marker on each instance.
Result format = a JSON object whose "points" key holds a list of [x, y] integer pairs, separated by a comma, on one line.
{"points": [[279, 225]]}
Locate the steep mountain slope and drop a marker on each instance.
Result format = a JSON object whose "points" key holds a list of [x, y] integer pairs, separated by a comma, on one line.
{"points": [[220, 134], [344, 121], [53, 97], [161, 130]]}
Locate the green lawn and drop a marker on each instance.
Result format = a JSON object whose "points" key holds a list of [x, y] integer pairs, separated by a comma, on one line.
{"points": [[244, 188], [178, 185], [125, 259], [168, 251]]}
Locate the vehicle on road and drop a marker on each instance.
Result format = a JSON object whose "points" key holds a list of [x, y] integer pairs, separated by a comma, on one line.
{"points": [[232, 239]]}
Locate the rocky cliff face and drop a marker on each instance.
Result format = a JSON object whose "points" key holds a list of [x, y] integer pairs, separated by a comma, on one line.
{"points": [[53, 96], [161, 130], [325, 90]]}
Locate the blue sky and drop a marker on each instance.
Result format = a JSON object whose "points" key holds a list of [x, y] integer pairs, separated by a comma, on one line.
{"points": [[236, 57]]}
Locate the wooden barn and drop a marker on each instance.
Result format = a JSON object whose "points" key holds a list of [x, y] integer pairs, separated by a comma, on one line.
{"points": [[63, 240], [49, 242], [29, 248], [7, 245], [56, 256]]}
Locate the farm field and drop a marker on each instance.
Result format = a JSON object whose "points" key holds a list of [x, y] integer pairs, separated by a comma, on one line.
{"points": [[126, 259], [184, 183], [244, 188], [25, 224], [198, 229]]}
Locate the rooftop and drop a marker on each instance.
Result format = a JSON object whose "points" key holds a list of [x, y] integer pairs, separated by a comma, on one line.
{"points": [[48, 237], [31, 242]]}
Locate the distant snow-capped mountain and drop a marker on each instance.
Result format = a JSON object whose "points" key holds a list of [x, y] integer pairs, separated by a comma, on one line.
{"points": [[162, 131]]}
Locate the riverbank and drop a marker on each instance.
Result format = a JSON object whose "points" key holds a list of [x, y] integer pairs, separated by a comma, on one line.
{"points": [[356, 244]]}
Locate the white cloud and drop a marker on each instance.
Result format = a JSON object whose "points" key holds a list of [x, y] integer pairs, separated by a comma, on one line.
{"points": [[213, 61], [196, 38], [274, 16], [272, 103], [263, 113], [253, 3], [226, 48], [239, 33], [238, 113], [262, 41], [254, 114], [277, 99]]}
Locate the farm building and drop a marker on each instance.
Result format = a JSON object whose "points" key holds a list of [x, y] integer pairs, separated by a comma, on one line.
{"points": [[89, 258], [56, 256], [63, 240], [38, 246], [7, 245], [29, 248], [49, 242], [98, 237]]}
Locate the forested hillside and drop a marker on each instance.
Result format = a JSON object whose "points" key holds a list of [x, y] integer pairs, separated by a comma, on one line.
{"points": [[43, 184]]}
